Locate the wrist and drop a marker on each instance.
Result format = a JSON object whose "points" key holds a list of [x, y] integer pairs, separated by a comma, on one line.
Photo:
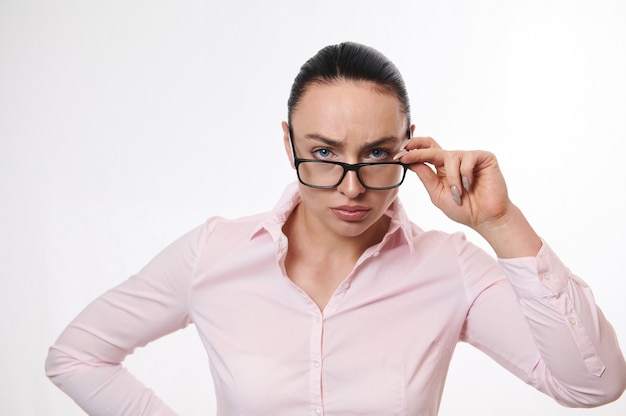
{"points": [[510, 235]]}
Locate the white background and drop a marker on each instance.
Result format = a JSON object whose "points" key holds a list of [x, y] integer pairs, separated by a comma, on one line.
{"points": [[125, 123]]}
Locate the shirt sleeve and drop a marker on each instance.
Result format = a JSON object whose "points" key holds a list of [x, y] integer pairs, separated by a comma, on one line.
{"points": [[560, 343], [85, 362]]}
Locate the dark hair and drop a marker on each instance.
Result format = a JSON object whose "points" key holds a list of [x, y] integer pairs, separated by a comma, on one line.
{"points": [[349, 61]]}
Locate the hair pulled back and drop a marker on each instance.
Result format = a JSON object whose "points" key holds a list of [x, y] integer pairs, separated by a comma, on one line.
{"points": [[349, 61]]}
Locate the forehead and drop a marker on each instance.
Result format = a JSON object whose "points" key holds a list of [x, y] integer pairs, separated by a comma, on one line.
{"points": [[343, 107]]}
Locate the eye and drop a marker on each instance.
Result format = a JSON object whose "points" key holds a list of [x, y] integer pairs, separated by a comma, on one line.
{"points": [[378, 154], [322, 153]]}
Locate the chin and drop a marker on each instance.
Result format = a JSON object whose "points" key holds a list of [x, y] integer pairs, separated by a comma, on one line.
{"points": [[354, 229]]}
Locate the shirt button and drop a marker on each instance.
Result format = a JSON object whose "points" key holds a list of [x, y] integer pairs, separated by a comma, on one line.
{"points": [[316, 364], [318, 411], [547, 276], [572, 320], [346, 285]]}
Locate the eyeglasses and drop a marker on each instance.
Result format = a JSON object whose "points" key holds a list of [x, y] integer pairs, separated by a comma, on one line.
{"points": [[324, 174]]}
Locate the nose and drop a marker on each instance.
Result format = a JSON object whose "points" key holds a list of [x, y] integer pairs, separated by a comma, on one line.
{"points": [[350, 185]]}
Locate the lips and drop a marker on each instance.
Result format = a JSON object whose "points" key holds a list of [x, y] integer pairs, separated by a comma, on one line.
{"points": [[351, 212]]}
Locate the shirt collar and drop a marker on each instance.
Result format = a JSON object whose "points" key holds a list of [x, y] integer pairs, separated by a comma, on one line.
{"points": [[399, 225]]}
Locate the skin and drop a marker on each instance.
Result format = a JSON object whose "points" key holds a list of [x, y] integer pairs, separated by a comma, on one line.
{"points": [[481, 201], [340, 121]]}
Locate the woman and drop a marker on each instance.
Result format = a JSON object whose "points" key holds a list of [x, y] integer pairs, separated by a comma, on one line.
{"points": [[334, 302]]}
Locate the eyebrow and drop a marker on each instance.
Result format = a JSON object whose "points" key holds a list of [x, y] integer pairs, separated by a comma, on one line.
{"points": [[340, 144]]}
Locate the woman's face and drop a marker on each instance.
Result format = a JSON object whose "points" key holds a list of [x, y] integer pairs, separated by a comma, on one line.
{"points": [[349, 122]]}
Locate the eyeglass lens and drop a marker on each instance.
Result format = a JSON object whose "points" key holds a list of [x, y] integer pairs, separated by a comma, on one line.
{"points": [[380, 175]]}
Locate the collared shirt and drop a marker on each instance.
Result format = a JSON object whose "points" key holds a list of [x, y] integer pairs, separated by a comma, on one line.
{"points": [[381, 346]]}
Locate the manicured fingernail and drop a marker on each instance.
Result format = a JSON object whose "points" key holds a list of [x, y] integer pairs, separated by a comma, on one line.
{"points": [[455, 194], [400, 154], [466, 183]]}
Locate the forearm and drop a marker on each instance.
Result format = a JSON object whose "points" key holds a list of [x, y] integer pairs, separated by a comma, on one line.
{"points": [[104, 389], [511, 235]]}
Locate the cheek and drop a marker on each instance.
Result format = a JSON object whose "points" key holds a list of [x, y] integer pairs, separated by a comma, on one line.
{"points": [[311, 197], [387, 198]]}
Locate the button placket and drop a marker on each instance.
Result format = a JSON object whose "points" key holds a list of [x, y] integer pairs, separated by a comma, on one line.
{"points": [[317, 338]]}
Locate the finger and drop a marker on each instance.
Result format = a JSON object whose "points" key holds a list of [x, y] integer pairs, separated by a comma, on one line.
{"points": [[422, 143], [447, 164], [429, 179], [452, 171], [473, 162], [417, 143], [468, 165], [434, 156]]}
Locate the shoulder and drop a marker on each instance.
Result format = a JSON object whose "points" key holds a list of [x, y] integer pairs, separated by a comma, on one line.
{"points": [[217, 227], [454, 254], [435, 241]]}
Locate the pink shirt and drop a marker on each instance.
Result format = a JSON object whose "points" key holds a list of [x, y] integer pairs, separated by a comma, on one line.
{"points": [[381, 346]]}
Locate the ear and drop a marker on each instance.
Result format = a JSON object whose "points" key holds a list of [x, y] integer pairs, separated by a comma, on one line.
{"points": [[287, 143], [412, 130]]}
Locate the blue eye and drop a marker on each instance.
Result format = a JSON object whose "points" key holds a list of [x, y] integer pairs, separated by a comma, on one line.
{"points": [[322, 153], [378, 154]]}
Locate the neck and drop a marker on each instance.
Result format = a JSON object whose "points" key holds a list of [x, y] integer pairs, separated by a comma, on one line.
{"points": [[306, 237]]}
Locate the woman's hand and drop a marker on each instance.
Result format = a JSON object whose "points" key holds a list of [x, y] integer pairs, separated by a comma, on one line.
{"points": [[469, 188], [466, 185]]}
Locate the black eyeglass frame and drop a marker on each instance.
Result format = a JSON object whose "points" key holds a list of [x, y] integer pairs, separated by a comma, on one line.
{"points": [[346, 168]]}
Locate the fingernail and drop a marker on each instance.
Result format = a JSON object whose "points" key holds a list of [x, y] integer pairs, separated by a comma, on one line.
{"points": [[400, 154], [455, 194], [466, 183]]}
